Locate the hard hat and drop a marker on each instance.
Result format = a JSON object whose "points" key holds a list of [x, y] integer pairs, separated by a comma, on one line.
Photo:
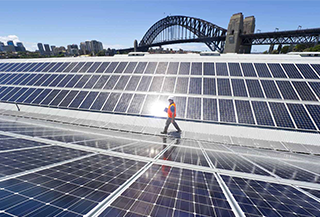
{"points": [[171, 98]]}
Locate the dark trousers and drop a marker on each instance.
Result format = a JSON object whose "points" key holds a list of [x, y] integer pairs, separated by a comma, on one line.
{"points": [[168, 122]]}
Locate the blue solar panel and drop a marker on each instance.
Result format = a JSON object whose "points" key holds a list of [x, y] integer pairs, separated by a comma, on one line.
{"points": [[238, 87], [208, 69], [69, 97], [77, 67], [304, 91], [244, 112], [57, 100], [50, 97], [133, 83], [281, 115], [101, 82], [102, 67], [224, 88], [94, 67], [209, 86], [234, 69], [258, 198], [314, 111], [291, 71], [76, 101], [55, 67], [9, 94], [276, 70], [99, 101], [195, 86], [87, 101], [111, 82], [262, 113], [301, 117], [270, 89], [248, 70], [111, 67], [136, 104], [226, 110], [196, 69], [122, 82], [307, 71], [287, 90], [254, 88], [62, 67], [123, 103]]}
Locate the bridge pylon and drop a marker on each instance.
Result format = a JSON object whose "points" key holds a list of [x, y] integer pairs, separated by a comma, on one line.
{"points": [[237, 27]]}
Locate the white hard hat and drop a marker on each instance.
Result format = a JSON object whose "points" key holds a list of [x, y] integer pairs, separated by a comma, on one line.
{"points": [[171, 98]]}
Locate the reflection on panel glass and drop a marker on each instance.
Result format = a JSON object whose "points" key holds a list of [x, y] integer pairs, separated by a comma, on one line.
{"points": [[150, 105], [144, 83], [133, 83], [194, 108], [131, 66], [99, 101], [150, 68], [123, 102], [162, 68], [168, 85], [136, 104], [182, 85], [173, 68], [111, 102], [181, 106], [140, 68], [184, 68], [156, 84]]}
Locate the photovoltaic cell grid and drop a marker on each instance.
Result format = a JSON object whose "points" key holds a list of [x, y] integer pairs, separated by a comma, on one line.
{"points": [[44, 84], [73, 189]]}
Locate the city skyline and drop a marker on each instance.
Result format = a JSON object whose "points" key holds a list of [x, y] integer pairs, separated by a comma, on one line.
{"points": [[71, 22]]}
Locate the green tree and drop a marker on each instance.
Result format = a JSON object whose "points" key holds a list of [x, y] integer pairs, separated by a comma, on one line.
{"points": [[285, 49]]}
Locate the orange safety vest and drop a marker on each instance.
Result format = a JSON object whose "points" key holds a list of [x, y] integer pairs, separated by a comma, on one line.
{"points": [[170, 112]]}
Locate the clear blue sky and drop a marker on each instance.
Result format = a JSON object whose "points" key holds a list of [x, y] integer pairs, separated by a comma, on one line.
{"points": [[116, 23]]}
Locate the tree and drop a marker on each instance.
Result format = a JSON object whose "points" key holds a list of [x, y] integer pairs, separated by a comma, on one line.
{"points": [[101, 53], [285, 49]]}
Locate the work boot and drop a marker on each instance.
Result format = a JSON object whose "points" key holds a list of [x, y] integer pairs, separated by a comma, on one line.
{"points": [[163, 132]]}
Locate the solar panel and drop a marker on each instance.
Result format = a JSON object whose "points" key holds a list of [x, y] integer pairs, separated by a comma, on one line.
{"points": [[156, 84], [140, 68], [276, 70], [151, 68], [162, 68], [304, 91], [208, 69], [131, 66], [226, 110], [182, 85], [99, 101], [111, 67], [124, 102], [194, 108], [244, 112], [307, 71], [248, 70], [111, 102], [224, 88], [254, 88], [270, 89], [133, 83], [287, 90], [300, 116], [234, 69], [281, 115], [168, 84], [210, 112], [196, 69], [184, 68], [144, 83], [173, 68], [136, 104], [195, 86], [239, 88], [291, 71], [121, 67], [262, 113]]}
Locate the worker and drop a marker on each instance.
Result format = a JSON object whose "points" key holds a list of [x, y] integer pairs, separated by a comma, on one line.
{"points": [[171, 110]]}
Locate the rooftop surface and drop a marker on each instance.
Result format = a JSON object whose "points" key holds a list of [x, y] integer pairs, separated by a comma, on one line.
{"points": [[76, 149]]}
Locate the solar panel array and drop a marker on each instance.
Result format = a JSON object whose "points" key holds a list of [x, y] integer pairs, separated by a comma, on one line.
{"points": [[255, 94], [60, 170]]}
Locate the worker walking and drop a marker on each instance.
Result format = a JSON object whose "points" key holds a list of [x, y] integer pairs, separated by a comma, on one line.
{"points": [[171, 110]]}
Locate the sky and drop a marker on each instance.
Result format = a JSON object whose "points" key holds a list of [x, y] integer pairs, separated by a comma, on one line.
{"points": [[117, 23]]}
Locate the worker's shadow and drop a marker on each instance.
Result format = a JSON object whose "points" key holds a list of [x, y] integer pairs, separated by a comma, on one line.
{"points": [[175, 135]]}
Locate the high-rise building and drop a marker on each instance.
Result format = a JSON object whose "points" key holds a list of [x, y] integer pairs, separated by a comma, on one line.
{"points": [[10, 43], [40, 47], [73, 49], [88, 47], [47, 49], [1, 46], [96, 46], [20, 47], [53, 49], [83, 48]]}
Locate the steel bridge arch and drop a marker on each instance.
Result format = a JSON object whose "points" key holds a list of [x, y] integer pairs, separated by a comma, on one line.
{"points": [[199, 27]]}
